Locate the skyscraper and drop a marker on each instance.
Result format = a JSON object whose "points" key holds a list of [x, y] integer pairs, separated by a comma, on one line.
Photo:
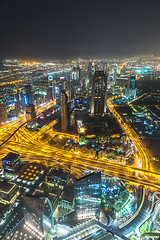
{"points": [[99, 93], [88, 196], [76, 75], [130, 91], [31, 114], [65, 111], [50, 90], [115, 73], [29, 99], [17, 102], [3, 113]]}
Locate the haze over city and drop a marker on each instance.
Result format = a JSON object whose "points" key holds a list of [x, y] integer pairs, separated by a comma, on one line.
{"points": [[71, 29]]}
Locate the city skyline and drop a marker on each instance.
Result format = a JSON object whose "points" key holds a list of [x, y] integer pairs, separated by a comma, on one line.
{"points": [[80, 120]]}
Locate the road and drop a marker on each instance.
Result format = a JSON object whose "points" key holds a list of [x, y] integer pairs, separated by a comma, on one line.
{"points": [[32, 147]]}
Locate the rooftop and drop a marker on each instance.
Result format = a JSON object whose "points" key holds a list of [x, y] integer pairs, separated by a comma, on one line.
{"points": [[58, 173], [11, 157], [6, 187]]}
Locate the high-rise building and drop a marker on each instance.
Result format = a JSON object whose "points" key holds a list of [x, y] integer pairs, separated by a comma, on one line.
{"points": [[31, 114], [65, 111], [88, 196], [130, 91], [75, 80], [76, 75], [50, 90], [3, 113], [29, 99], [115, 73], [17, 102], [99, 93], [90, 72]]}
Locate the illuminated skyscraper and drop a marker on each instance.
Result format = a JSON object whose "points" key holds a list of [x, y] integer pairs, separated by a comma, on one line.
{"points": [[29, 99], [76, 75], [3, 113], [75, 80], [50, 90], [130, 91], [65, 111], [115, 73], [17, 102], [99, 93], [31, 114], [88, 196]]}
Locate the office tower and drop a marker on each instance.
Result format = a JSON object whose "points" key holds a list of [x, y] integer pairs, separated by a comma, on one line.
{"points": [[90, 72], [76, 75], [17, 99], [88, 196], [75, 80], [3, 113], [50, 90], [38, 216], [22, 100], [130, 91], [99, 93], [65, 111], [11, 162], [29, 99], [115, 73], [31, 114]]}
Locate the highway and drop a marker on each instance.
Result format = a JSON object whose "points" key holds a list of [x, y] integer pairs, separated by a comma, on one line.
{"points": [[32, 146], [143, 155]]}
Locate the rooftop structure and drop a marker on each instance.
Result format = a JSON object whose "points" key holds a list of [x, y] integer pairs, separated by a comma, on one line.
{"points": [[11, 162], [8, 192], [31, 173]]}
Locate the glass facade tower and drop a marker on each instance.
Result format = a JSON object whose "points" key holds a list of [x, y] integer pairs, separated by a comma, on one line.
{"points": [[88, 196]]}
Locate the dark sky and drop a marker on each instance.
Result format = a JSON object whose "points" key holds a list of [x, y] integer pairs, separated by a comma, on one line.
{"points": [[69, 29]]}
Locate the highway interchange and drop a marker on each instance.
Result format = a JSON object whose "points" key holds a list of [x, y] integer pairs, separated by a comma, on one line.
{"points": [[33, 147]]}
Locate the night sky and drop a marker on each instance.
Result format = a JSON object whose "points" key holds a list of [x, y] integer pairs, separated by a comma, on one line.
{"points": [[69, 29]]}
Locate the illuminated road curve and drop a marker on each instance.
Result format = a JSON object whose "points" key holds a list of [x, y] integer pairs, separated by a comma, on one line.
{"points": [[143, 155], [32, 146]]}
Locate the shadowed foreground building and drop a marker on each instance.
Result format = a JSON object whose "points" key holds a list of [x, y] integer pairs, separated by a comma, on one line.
{"points": [[38, 216]]}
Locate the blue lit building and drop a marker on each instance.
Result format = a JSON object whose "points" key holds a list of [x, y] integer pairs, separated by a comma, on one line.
{"points": [[88, 196], [28, 98], [11, 162]]}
